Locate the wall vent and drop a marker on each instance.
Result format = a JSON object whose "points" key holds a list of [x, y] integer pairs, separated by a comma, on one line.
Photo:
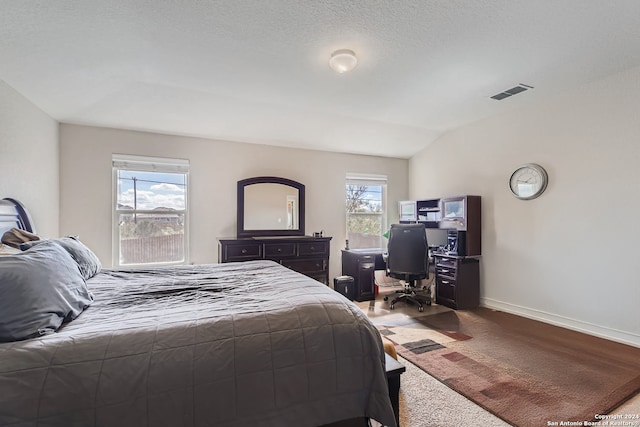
{"points": [[513, 91]]}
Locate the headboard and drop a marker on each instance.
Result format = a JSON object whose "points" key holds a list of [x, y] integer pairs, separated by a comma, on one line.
{"points": [[13, 214]]}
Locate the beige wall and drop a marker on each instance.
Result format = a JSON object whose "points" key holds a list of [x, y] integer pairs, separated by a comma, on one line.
{"points": [[29, 158], [569, 257], [216, 166]]}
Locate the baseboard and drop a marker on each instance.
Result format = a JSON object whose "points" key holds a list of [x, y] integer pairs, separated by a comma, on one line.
{"points": [[565, 322]]}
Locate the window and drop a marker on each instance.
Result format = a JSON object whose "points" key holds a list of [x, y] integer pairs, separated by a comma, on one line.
{"points": [[366, 207], [150, 221]]}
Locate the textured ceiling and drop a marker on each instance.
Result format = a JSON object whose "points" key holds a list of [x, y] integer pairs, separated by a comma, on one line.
{"points": [[256, 70]]}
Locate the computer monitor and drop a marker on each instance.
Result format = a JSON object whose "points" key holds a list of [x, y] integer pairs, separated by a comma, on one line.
{"points": [[408, 211]]}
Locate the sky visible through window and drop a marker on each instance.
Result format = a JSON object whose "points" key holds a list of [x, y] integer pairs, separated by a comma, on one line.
{"points": [[151, 190], [371, 198], [374, 196]]}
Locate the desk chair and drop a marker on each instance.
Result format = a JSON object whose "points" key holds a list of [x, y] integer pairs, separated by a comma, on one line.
{"points": [[407, 258]]}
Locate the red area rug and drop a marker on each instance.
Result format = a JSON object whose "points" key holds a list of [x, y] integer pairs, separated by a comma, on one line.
{"points": [[526, 372]]}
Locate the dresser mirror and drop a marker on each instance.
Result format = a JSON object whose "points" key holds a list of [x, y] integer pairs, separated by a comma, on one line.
{"points": [[270, 206]]}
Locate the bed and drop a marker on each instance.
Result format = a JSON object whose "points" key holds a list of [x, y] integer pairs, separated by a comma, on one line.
{"points": [[236, 344]]}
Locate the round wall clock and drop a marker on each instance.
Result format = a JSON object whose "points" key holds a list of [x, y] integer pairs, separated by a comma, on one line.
{"points": [[528, 181]]}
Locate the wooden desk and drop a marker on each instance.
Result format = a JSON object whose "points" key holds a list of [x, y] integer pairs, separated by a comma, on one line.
{"points": [[394, 370], [457, 281], [361, 264]]}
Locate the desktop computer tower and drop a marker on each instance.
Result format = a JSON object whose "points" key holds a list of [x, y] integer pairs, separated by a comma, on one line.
{"points": [[456, 243]]}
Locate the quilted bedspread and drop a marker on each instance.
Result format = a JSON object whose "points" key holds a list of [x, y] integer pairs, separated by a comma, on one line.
{"points": [[238, 344]]}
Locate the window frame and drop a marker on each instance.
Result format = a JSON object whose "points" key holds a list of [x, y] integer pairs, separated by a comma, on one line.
{"points": [[369, 180], [146, 164]]}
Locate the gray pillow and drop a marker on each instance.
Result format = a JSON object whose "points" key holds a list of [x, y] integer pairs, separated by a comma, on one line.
{"points": [[87, 261], [39, 290]]}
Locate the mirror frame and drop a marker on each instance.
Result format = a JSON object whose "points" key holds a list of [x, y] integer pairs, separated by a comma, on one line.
{"points": [[270, 180]]}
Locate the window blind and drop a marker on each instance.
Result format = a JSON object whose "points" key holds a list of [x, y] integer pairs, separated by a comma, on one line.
{"points": [[366, 179], [149, 164]]}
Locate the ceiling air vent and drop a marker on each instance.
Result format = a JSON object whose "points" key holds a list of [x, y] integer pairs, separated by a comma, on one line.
{"points": [[513, 91]]}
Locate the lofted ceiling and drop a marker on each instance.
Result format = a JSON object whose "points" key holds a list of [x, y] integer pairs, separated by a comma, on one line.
{"points": [[257, 70]]}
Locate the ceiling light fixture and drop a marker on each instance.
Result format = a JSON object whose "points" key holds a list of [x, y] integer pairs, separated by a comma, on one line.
{"points": [[343, 60]]}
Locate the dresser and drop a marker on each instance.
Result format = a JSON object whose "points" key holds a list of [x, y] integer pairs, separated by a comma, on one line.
{"points": [[304, 254]]}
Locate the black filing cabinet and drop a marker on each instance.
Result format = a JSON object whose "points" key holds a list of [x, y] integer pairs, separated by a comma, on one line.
{"points": [[457, 281], [360, 266]]}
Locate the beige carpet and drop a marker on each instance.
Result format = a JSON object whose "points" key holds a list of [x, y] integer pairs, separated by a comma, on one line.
{"points": [[525, 372], [426, 402]]}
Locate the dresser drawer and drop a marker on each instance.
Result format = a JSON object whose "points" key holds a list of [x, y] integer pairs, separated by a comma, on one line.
{"points": [[306, 265], [320, 277], [275, 250], [243, 252], [313, 248], [306, 255]]}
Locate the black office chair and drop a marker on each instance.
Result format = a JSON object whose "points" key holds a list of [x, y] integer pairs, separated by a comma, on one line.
{"points": [[407, 258]]}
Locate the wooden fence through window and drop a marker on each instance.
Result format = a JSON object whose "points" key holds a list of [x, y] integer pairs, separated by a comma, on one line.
{"points": [[143, 250]]}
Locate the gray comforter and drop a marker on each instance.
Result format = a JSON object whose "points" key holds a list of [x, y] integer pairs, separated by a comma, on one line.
{"points": [[239, 344]]}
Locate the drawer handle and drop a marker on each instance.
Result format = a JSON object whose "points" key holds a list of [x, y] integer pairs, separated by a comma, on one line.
{"points": [[312, 248], [445, 282], [244, 251], [279, 249], [444, 270]]}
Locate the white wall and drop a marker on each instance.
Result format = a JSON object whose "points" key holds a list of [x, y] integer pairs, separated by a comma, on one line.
{"points": [[29, 158], [570, 257], [216, 166]]}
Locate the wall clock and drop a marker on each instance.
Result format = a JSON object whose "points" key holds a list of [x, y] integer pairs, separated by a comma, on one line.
{"points": [[528, 181]]}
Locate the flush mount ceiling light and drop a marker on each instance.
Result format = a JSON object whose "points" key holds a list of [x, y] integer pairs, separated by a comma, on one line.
{"points": [[343, 60]]}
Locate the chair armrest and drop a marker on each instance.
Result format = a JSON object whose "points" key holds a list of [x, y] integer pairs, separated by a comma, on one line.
{"points": [[385, 258]]}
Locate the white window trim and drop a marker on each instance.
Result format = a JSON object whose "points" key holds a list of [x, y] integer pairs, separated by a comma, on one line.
{"points": [[367, 179], [148, 164]]}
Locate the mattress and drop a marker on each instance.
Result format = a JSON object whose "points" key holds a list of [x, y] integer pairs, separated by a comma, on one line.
{"points": [[235, 344]]}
